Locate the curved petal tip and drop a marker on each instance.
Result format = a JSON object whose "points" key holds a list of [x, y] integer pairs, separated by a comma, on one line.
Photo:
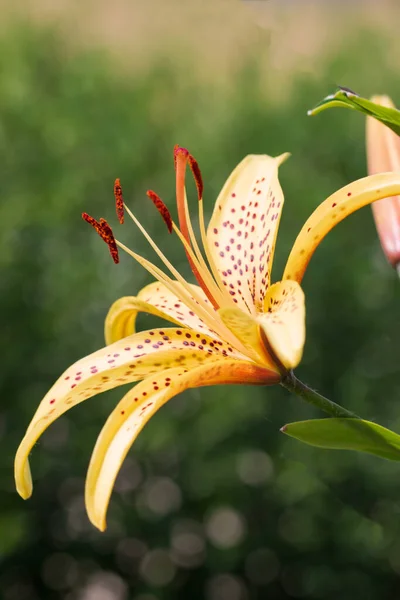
{"points": [[23, 477]]}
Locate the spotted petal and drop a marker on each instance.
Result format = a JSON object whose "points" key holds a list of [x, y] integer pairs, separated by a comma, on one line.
{"points": [[243, 228], [153, 299], [284, 322], [328, 214], [136, 408], [128, 360]]}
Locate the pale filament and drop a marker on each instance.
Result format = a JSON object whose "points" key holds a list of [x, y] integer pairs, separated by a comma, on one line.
{"points": [[168, 264], [213, 278], [189, 298], [184, 219]]}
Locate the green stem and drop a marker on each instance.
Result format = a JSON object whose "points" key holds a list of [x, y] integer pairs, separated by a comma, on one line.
{"points": [[294, 385], [372, 440], [398, 269]]}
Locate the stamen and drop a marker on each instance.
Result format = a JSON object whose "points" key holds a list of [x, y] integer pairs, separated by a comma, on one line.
{"points": [[92, 222], [106, 234], [194, 167], [189, 297], [216, 282], [119, 200], [201, 266], [181, 289], [161, 207], [181, 156], [195, 255], [166, 262], [109, 239]]}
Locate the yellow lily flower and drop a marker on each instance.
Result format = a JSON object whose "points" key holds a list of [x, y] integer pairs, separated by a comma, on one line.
{"points": [[383, 154], [233, 327]]}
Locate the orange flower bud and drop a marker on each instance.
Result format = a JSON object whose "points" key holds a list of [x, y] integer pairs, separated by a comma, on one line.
{"points": [[383, 154]]}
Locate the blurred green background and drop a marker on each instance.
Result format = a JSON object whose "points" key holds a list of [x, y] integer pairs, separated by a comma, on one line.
{"points": [[212, 502]]}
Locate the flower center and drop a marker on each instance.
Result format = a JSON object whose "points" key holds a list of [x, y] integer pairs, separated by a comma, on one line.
{"points": [[214, 295]]}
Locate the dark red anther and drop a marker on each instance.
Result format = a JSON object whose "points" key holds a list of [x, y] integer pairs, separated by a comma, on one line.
{"points": [[194, 167], [109, 239], [119, 200], [161, 207], [106, 234], [91, 222]]}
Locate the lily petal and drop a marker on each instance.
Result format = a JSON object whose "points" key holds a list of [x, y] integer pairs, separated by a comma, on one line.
{"points": [[243, 228], [247, 329], [126, 361], [136, 408], [284, 322], [333, 210], [154, 299]]}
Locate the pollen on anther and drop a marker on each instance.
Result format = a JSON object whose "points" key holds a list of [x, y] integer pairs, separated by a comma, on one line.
{"points": [[194, 167], [161, 207], [106, 234], [119, 201]]}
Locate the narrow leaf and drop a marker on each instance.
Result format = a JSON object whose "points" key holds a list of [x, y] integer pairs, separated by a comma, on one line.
{"points": [[344, 97], [347, 434]]}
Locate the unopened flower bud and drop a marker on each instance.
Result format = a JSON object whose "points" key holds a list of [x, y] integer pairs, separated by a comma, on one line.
{"points": [[383, 154]]}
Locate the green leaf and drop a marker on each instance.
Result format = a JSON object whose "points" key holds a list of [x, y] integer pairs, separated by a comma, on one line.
{"points": [[347, 434], [345, 98]]}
